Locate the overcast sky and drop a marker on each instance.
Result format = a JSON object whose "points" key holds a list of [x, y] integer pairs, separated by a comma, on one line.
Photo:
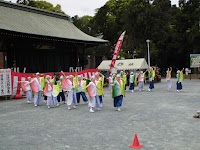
{"points": [[81, 7]]}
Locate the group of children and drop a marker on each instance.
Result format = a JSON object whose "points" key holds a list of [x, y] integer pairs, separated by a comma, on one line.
{"points": [[70, 88], [138, 79], [135, 79]]}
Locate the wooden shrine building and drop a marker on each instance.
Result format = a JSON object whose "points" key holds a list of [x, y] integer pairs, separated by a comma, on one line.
{"points": [[39, 40]]}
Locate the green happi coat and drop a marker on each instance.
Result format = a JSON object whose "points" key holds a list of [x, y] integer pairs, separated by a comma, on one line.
{"points": [[135, 78], [125, 79], [99, 85], [118, 88]]}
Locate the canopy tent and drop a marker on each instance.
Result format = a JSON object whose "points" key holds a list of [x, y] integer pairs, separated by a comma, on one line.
{"points": [[126, 64]]}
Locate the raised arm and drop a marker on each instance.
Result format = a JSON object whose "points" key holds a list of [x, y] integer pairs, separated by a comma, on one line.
{"points": [[63, 74], [171, 69]]}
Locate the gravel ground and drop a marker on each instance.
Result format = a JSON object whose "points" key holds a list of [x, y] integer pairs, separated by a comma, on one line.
{"points": [[162, 119]]}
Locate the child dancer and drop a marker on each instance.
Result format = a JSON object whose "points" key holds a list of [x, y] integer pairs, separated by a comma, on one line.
{"points": [[168, 78], [92, 92], [131, 82], [72, 100], [125, 79], [37, 89], [56, 89], [61, 93], [110, 81], [27, 89], [118, 92], [151, 79], [99, 81], [141, 80], [179, 77], [48, 91], [80, 91]]}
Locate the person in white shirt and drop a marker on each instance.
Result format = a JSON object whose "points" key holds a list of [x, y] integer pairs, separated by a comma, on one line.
{"points": [[110, 81], [72, 100], [27, 89], [92, 92], [48, 91], [131, 82], [37, 89], [80, 90]]}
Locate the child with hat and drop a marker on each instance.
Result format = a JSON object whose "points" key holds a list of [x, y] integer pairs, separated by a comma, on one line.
{"points": [[80, 90], [92, 92], [118, 92], [72, 100]]}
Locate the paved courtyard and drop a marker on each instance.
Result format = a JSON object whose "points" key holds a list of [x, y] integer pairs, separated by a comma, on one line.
{"points": [[163, 121]]}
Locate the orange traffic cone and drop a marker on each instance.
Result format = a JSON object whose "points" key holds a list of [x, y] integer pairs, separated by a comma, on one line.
{"points": [[136, 143]]}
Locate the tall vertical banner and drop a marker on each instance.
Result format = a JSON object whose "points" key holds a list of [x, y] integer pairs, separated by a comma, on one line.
{"points": [[117, 50], [5, 82]]}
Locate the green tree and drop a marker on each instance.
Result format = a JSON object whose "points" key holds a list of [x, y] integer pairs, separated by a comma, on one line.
{"points": [[41, 4]]}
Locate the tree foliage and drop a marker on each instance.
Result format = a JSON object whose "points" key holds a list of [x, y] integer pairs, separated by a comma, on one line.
{"points": [[173, 30], [41, 4]]}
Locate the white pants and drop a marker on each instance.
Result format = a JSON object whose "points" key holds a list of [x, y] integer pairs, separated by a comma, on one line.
{"points": [[169, 84], [52, 101], [72, 98], [29, 95], [37, 97], [141, 85], [94, 102], [110, 87]]}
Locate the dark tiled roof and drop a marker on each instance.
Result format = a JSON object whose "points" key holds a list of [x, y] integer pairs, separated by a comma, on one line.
{"points": [[29, 20]]}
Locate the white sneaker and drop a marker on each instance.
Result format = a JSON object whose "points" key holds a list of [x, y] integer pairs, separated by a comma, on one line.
{"points": [[57, 105], [132, 91], [65, 102], [91, 110], [177, 90], [118, 109], [35, 105], [49, 107], [69, 108], [149, 90], [98, 109], [74, 107], [45, 101], [101, 105]]}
